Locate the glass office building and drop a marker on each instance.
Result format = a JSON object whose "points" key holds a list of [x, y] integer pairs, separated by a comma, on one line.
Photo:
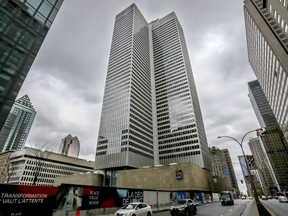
{"points": [[23, 27], [273, 142], [267, 41], [151, 113], [15, 131]]}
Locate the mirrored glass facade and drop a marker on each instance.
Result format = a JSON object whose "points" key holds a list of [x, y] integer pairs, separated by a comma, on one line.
{"points": [[151, 113], [23, 27], [267, 41]]}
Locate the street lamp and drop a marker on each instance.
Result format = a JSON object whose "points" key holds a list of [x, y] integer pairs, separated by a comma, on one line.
{"points": [[260, 132]]}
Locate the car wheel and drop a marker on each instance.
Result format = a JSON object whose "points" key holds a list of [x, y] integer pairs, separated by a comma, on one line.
{"points": [[148, 214], [195, 211]]}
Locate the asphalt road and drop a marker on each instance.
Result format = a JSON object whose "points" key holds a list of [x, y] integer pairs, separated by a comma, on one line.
{"points": [[241, 208], [275, 207]]}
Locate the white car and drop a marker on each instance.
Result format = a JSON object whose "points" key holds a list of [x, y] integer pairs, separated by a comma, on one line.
{"points": [[283, 199], [134, 209]]}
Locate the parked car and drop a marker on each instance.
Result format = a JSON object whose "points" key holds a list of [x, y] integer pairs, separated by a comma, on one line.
{"points": [[283, 199], [264, 197], [134, 209], [183, 207]]}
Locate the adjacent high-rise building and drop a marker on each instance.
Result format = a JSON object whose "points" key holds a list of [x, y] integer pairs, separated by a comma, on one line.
{"points": [[15, 131], [229, 170], [248, 160], [274, 143], [151, 113], [31, 166], [266, 173], [23, 26], [70, 146], [267, 40]]}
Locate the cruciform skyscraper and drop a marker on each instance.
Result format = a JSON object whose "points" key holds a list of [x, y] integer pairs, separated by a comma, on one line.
{"points": [[151, 113]]}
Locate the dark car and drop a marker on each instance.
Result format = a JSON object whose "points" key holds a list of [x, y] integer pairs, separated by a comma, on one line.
{"points": [[183, 207], [226, 198]]}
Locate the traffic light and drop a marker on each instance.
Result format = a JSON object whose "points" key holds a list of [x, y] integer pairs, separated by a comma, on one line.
{"points": [[261, 131]]}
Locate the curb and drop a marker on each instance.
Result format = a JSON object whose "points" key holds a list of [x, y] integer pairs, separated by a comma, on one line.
{"points": [[268, 209]]}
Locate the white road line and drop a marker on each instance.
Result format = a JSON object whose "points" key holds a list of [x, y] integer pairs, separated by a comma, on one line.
{"points": [[230, 209]]}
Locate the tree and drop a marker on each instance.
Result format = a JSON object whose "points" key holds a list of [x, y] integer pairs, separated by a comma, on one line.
{"points": [[40, 153]]}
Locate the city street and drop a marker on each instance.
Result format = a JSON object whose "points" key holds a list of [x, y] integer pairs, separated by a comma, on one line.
{"points": [[241, 207]]}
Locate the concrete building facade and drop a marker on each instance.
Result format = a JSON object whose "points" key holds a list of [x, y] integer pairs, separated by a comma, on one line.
{"points": [[32, 166]]}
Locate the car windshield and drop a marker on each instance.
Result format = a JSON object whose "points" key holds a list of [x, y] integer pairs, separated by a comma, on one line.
{"points": [[129, 206], [181, 202], [223, 196]]}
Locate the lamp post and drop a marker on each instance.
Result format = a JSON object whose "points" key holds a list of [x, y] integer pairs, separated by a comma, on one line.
{"points": [[260, 132]]}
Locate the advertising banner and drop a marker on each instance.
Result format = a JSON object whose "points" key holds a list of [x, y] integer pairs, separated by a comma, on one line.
{"points": [[24, 200], [71, 197]]}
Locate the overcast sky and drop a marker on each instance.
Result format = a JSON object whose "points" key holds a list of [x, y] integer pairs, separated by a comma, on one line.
{"points": [[66, 82]]}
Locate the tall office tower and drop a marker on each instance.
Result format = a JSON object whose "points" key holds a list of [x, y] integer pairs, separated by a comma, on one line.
{"points": [[70, 146], [220, 168], [151, 114], [15, 131], [274, 142], [218, 162], [267, 40], [266, 173], [228, 162], [23, 27]]}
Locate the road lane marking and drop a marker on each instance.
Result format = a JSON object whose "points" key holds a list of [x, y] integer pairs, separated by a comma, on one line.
{"points": [[230, 209]]}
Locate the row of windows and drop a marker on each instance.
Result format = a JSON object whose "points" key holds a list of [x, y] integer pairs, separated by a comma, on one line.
{"points": [[175, 112], [180, 133], [176, 115], [169, 54], [178, 149], [143, 93], [148, 115], [180, 98], [31, 179], [48, 166], [101, 147], [132, 127], [179, 155], [148, 147], [138, 101], [177, 139], [172, 92], [141, 136], [172, 82], [185, 143], [279, 19], [124, 149], [182, 123]]}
